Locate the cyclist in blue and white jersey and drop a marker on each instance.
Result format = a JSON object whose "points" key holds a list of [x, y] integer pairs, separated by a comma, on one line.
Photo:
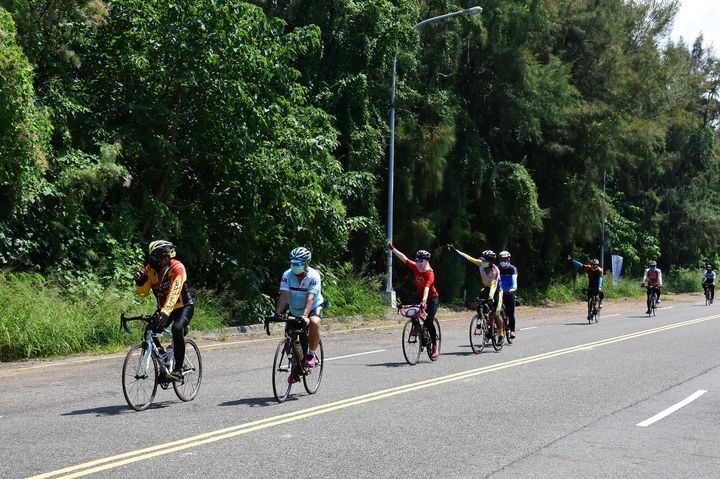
{"points": [[708, 281], [508, 283], [300, 289]]}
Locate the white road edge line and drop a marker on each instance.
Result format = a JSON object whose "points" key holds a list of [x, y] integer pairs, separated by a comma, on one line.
{"points": [[672, 409], [356, 354], [525, 329]]}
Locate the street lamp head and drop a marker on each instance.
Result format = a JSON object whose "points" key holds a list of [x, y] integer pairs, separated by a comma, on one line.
{"points": [[474, 11]]}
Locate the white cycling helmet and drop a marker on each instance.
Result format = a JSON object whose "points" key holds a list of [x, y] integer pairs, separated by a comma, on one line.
{"points": [[504, 254], [301, 254]]}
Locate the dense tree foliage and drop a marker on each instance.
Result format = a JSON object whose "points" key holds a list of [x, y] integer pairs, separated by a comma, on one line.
{"points": [[241, 129]]}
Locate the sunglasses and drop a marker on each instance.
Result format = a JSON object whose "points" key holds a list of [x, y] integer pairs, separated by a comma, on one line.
{"points": [[296, 263], [420, 260]]}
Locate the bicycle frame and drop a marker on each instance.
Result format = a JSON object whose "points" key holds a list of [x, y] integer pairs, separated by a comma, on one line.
{"points": [[149, 344]]}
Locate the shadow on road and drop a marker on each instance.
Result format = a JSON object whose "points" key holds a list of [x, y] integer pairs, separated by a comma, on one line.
{"points": [[114, 410], [254, 402], [389, 365], [578, 324]]}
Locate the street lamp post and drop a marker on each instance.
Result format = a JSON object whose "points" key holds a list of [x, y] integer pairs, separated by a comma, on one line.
{"points": [[389, 291]]}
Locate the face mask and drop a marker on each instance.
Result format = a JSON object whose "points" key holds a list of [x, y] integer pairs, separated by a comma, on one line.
{"points": [[652, 268], [297, 268], [504, 264], [423, 266], [486, 264]]}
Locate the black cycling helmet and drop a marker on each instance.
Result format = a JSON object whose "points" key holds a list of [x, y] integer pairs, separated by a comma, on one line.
{"points": [[489, 255], [422, 254]]}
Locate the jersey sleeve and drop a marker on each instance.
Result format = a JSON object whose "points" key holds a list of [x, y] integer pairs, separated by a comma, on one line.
{"points": [[177, 279], [285, 282], [468, 258], [514, 278], [429, 279], [144, 289], [314, 284], [412, 265], [659, 278]]}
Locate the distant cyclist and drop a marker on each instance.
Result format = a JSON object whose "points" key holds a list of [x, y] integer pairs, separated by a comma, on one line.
{"points": [[300, 289], [652, 279], [167, 279], [508, 282], [490, 277], [425, 288], [595, 280], [708, 281]]}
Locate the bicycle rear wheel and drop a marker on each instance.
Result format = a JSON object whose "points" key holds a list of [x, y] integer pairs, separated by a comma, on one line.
{"points": [[506, 323], [140, 377], [439, 340], [282, 368], [596, 309], [477, 334], [313, 375], [494, 336], [412, 342], [192, 373]]}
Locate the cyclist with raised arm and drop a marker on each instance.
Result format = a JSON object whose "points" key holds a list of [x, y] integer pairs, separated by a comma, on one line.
{"points": [[508, 282], [167, 279], [300, 290], [652, 280], [492, 290], [708, 281], [425, 289], [595, 280]]}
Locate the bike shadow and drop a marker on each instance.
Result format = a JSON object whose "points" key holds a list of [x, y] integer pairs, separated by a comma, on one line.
{"points": [[578, 324], [255, 402], [388, 365], [115, 410]]}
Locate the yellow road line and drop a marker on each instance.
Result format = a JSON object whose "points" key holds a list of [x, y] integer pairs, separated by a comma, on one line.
{"points": [[111, 462]]}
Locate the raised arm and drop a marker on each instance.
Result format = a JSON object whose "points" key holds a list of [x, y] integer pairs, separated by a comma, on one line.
{"points": [[465, 256], [397, 252]]}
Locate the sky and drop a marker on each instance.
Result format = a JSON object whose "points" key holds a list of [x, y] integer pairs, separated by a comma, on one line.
{"points": [[695, 16]]}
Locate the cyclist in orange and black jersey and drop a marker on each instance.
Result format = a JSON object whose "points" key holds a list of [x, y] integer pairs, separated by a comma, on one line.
{"points": [[166, 278]]}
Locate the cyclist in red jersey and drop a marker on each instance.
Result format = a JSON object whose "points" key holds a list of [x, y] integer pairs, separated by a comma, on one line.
{"points": [[425, 286], [652, 280]]}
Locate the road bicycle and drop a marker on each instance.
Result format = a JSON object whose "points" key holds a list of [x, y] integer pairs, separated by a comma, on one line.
{"points": [[653, 300], [146, 363], [415, 336], [483, 329], [289, 362], [594, 306], [706, 287]]}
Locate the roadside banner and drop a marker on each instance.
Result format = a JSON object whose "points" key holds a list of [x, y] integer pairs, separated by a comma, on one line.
{"points": [[617, 262]]}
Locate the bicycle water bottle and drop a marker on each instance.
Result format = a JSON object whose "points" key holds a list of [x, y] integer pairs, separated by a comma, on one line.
{"points": [[168, 356]]}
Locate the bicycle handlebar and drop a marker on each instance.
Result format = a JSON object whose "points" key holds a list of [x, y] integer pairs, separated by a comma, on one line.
{"points": [[271, 318], [124, 320]]}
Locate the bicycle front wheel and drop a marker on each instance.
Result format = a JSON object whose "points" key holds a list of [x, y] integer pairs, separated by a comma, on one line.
{"points": [[140, 377], [313, 375], [495, 336], [282, 369], [438, 334], [477, 334], [191, 371], [412, 342]]}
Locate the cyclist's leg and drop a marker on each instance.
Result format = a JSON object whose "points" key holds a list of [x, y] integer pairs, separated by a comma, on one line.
{"points": [[712, 291], [590, 294], [314, 328], [601, 293], [657, 294], [431, 311], [509, 303], [648, 292], [498, 318], [180, 319]]}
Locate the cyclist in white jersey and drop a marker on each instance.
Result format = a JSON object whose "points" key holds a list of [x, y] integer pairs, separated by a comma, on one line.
{"points": [[300, 289]]}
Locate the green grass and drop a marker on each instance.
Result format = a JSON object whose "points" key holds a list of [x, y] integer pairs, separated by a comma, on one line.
{"points": [[38, 319], [350, 294]]}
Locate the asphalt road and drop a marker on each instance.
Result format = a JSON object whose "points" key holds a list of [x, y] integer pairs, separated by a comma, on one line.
{"points": [[563, 401]]}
